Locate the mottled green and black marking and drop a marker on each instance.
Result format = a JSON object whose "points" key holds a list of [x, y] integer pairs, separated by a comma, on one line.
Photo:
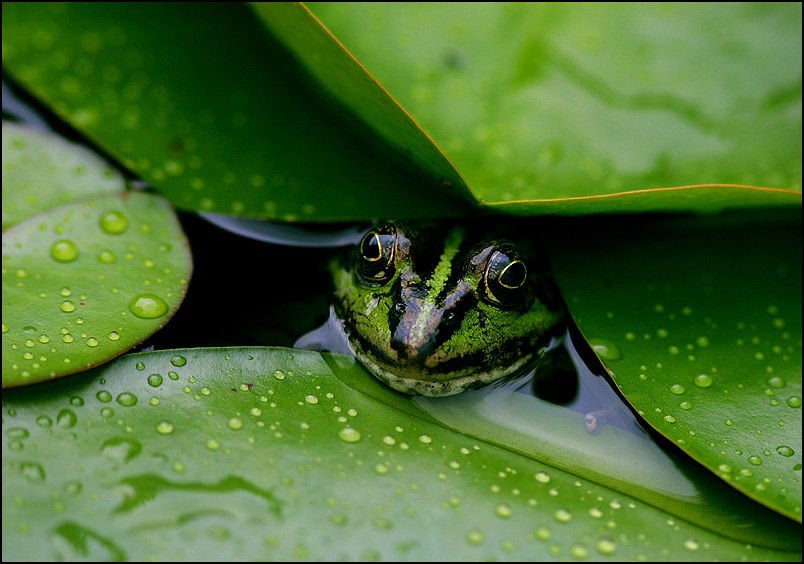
{"points": [[437, 310]]}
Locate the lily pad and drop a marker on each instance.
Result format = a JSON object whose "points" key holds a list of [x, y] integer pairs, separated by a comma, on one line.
{"points": [[261, 453], [42, 171], [699, 324], [576, 108], [206, 106], [84, 282]]}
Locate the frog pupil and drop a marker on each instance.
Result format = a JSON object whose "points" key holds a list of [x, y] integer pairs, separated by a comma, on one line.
{"points": [[371, 248], [514, 275]]}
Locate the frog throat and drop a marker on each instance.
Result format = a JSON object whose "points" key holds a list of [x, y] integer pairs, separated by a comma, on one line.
{"points": [[454, 383]]}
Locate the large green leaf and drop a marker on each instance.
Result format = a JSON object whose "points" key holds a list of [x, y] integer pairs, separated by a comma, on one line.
{"points": [[699, 324], [267, 454], [42, 171], [202, 103], [84, 282], [584, 106]]}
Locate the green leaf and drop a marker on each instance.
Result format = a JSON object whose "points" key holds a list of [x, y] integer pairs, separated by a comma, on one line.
{"points": [[577, 108], [203, 104], [84, 282], [42, 171], [699, 324], [258, 453]]}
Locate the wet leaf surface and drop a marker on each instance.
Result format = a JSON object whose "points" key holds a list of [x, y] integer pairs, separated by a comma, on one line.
{"points": [[699, 323], [258, 453], [43, 171], [84, 282]]}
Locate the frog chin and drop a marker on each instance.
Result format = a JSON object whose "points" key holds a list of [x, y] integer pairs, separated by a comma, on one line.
{"points": [[447, 384]]}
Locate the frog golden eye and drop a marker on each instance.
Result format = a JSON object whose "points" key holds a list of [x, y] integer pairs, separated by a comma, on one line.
{"points": [[505, 278], [376, 250]]}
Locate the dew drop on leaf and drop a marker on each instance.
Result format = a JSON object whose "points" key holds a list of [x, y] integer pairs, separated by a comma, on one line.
{"points": [[148, 306], [64, 251], [113, 222]]}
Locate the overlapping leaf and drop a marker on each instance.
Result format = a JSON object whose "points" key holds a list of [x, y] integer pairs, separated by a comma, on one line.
{"points": [[266, 454], [214, 112], [583, 107], [42, 171]]}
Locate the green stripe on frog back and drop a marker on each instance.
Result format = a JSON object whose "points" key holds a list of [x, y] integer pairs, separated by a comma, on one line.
{"points": [[452, 243]]}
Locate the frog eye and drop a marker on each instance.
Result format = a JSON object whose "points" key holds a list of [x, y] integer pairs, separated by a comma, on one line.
{"points": [[505, 278], [376, 262]]}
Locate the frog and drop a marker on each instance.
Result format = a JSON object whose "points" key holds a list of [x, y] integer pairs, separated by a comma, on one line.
{"points": [[435, 309]]}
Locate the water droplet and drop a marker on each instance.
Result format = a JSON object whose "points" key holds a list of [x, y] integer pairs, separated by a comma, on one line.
{"points": [[44, 339], [178, 361], [669, 418], [114, 336], [685, 405], [113, 222], [64, 251], [164, 427], [381, 468], [120, 449], [677, 389], [311, 399], [542, 477], [785, 450], [5, 328], [22, 273], [562, 515], [234, 423], [279, 375], [606, 350], [67, 306], [92, 342], [595, 513], [426, 439], [691, 545], [33, 471], [104, 396], [755, 460], [106, 257], [702, 342], [703, 380], [349, 435], [66, 418], [794, 401], [148, 306], [44, 421], [543, 533], [503, 511], [17, 433], [474, 537], [127, 399], [213, 444]]}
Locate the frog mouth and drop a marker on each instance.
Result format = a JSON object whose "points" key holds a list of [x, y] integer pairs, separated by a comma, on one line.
{"points": [[409, 381]]}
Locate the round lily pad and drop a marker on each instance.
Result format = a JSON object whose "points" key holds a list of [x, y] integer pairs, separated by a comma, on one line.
{"points": [[84, 282], [42, 171]]}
